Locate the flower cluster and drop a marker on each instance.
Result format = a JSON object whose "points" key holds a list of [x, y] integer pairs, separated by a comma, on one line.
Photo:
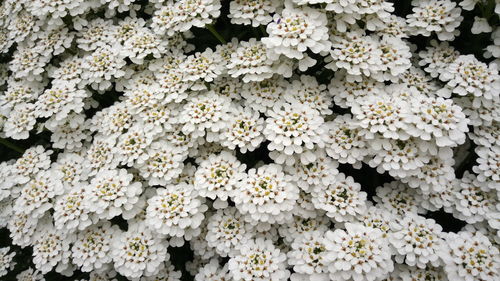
{"points": [[266, 139]]}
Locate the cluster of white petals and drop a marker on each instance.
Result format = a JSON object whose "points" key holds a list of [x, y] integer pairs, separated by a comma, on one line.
{"points": [[227, 140]]}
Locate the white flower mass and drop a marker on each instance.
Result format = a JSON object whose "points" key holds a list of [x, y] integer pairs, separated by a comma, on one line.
{"points": [[255, 140]]}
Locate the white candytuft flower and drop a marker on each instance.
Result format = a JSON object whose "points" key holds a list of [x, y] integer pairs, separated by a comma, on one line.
{"points": [[418, 241], [358, 253], [138, 252], [295, 30], [111, 193], [259, 260], [439, 16], [266, 194], [6, 262], [227, 231], [218, 176], [251, 12], [309, 255], [291, 128], [91, 250], [176, 210], [342, 199], [487, 170], [471, 256]]}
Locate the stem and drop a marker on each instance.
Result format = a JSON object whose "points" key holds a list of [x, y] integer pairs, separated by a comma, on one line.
{"points": [[263, 30], [215, 33], [11, 146]]}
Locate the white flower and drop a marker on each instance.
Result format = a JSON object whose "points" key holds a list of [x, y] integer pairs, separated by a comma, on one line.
{"points": [[138, 252], [293, 127], [469, 5], [379, 218], [70, 213], [202, 67], [295, 30], [100, 155], [244, 129], [486, 136], [395, 58], [252, 61], [434, 175], [472, 203], [251, 12], [259, 260], [488, 167], [359, 252], [439, 16], [6, 262], [205, 111], [299, 225], [345, 92], [111, 193], [400, 158], [344, 141], [92, 247], [342, 199], [212, 271], [469, 76], [52, 249], [309, 255], [317, 174], [37, 195], [20, 122], [196, 13], [434, 201], [199, 244], [418, 241], [127, 28], [143, 44], [218, 176], [438, 119], [164, 162], [437, 57], [34, 160], [411, 273], [266, 195], [131, 146], [28, 62], [176, 210], [22, 228], [18, 92], [227, 231], [263, 95], [60, 100], [69, 70], [111, 121], [307, 91], [398, 198], [357, 53], [415, 78], [102, 66], [384, 114], [30, 275], [68, 133], [480, 25], [471, 257], [95, 34], [167, 273]]}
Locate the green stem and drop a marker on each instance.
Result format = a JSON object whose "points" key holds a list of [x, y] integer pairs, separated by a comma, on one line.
{"points": [[215, 33], [263, 30], [11, 146]]}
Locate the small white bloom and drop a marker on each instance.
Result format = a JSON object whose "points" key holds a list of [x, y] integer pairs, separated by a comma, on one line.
{"points": [[259, 260]]}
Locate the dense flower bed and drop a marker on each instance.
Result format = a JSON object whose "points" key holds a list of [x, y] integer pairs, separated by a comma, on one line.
{"points": [[250, 140]]}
